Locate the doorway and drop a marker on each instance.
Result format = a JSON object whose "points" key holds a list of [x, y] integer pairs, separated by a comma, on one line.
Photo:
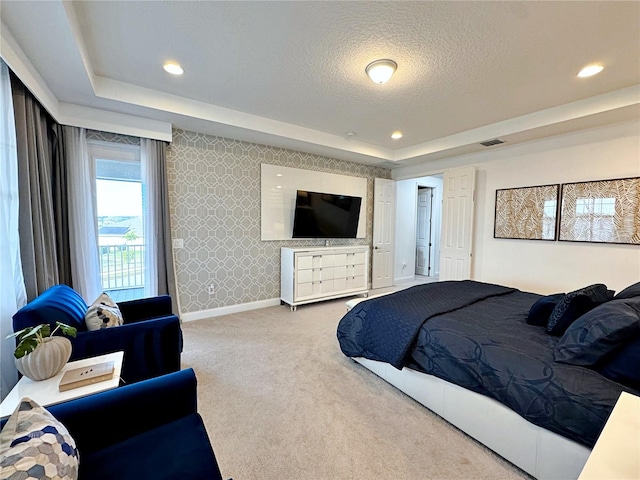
{"points": [[412, 262], [424, 231]]}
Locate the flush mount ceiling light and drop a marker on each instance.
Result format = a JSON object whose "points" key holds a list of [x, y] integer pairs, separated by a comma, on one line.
{"points": [[396, 135], [173, 68], [381, 71], [590, 70]]}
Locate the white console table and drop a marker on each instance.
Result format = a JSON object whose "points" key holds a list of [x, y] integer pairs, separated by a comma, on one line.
{"points": [[312, 274]]}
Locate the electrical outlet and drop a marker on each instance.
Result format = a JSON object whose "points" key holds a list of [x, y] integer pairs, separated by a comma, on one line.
{"points": [[212, 289], [178, 243]]}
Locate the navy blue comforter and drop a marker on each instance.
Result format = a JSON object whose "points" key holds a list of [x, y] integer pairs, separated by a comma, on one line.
{"points": [[475, 335]]}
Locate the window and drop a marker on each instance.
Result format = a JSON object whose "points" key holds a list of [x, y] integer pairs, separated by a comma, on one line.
{"points": [[120, 220]]}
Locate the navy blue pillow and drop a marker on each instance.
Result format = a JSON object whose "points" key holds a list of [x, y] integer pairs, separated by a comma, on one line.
{"points": [[58, 303], [599, 332], [629, 292], [573, 305], [623, 366], [541, 310]]}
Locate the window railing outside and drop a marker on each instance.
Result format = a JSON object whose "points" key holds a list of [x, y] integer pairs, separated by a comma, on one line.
{"points": [[121, 266]]}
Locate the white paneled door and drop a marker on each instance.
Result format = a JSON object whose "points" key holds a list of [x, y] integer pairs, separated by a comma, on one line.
{"points": [[457, 223], [384, 207]]}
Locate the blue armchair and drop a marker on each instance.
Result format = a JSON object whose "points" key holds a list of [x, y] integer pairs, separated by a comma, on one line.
{"points": [[151, 337], [147, 430]]}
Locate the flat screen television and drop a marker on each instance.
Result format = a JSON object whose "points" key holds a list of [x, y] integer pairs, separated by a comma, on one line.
{"points": [[325, 215]]}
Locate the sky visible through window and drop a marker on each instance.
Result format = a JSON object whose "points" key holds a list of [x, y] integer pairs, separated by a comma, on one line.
{"points": [[118, 199]]}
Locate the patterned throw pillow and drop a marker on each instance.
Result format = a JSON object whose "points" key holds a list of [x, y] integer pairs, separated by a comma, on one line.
{"points": [[103, 313], [575, 304], [34, 445]]}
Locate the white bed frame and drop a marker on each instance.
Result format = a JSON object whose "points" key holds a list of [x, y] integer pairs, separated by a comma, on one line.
{"points": [[536, 450]]}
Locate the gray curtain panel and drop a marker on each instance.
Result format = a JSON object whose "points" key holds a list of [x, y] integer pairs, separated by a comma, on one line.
{"points": [[162, 235], [39, 172], [60, 209]]}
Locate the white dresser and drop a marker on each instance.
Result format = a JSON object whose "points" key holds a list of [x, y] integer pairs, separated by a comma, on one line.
{"points": [[311, 274]]}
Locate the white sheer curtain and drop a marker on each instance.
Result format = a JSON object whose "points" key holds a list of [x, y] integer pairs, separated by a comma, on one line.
{"points": [[149, 167], [12, 291], [83, 238]]}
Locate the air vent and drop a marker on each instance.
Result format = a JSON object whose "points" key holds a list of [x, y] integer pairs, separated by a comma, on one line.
{"points": [[489, 143]]}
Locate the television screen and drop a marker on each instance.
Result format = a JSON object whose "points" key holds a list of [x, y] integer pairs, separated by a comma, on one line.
{"points": [[325, 215]]}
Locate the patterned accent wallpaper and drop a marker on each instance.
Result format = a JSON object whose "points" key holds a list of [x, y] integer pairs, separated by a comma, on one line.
{"points": [[112, 137], [214, 189]]}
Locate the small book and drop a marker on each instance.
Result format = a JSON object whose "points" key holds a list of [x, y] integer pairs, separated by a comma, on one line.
{"points": [[80, 377]]}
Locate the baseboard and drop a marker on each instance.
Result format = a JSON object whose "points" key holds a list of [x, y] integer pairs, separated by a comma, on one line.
{"points": [[216, 312]]}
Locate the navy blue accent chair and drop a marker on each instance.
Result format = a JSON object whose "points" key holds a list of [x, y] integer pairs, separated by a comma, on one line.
{"points": [[147, 430], [151, 337]]}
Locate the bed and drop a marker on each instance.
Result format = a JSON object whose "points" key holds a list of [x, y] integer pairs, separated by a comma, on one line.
{"points": [[465, 350]]}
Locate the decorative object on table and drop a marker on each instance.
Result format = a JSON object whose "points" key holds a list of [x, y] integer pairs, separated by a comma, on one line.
{"points": [[604, 211], [527, 213], [41, 355], [79, 377], [103, 313]]}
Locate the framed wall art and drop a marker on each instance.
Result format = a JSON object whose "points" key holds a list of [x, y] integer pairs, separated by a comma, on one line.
{"points": [[527, 213], [603, 211]]}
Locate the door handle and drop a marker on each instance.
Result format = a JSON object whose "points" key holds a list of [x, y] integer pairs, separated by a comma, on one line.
{"points": [[376, 248]]}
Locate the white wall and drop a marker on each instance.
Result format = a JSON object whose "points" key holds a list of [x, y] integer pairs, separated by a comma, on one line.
{"points": [[406, 211], [545, 267]]}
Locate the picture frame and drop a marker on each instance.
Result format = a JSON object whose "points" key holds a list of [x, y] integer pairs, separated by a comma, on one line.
{"points": [[527, 213], [601, 211]]}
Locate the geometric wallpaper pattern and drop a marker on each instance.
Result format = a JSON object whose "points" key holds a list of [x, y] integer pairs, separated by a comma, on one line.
{"points": [[214, 202], [112, 137], [214, 198]]}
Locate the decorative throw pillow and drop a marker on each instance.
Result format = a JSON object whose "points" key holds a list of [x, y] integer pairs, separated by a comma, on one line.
{"points": [[541, 310], [629, 292], [34, 445], [599, 332], [103, 313], [573, 305], [58, 303]]}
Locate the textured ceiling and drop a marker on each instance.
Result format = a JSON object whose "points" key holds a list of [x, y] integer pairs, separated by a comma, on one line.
{"points": [[462, 66]]}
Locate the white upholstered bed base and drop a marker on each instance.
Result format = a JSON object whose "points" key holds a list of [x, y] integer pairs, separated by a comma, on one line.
{"points": [[537, 451]]}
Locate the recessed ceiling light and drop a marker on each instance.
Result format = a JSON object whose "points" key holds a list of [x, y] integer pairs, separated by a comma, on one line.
{"points": [[173, 68], [590, 70], [396, 135], [381, 71]]}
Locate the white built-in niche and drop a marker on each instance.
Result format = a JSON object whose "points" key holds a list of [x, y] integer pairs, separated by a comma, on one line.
{"points": [[278, 187]]}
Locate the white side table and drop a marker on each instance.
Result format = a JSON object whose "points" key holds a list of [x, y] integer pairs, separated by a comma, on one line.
{"points": [[616, 453], [46, 392]]}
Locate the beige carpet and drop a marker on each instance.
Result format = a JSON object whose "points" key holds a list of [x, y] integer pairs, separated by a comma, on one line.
{"points": [[281, 401]]}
